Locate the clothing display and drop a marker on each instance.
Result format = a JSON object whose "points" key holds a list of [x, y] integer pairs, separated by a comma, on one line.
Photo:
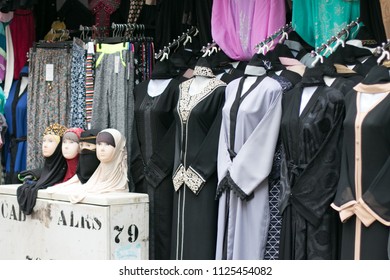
{"points": [[78, 85], [48, 98], [362, 196], [52, 172], [317, 21], [311, 137], [247, 116], [256, 128], [110, 175], [72, 134], [198, 119], [240, 35], [88, 161], [23, 36], [152, 154], [15, 112]]}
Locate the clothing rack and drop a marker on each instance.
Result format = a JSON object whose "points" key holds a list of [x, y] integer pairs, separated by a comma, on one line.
{"points": [[96, 30], [183, 39], [327, 46], [283, 31], [333, 39], [53, 45]]}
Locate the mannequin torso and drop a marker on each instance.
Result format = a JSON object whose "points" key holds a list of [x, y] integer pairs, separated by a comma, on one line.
{"points": [[307, 93], [198, 84], [157, 86]]}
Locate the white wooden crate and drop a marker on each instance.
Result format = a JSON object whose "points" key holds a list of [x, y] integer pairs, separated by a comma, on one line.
{"points": [[103, 226]]}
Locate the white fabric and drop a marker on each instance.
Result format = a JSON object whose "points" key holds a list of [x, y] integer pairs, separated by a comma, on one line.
{"points": [[307, 93], [329, 80], [108, 177], [367, 100], [247, 84], [198, 84], [9, 74], [90, 47], [157, 86], [23, 85]]}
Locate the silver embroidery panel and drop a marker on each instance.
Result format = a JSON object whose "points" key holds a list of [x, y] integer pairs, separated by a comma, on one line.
{"points": [[188, 177], [178, 178], [187, 101], [203, 71], [193, 180]]}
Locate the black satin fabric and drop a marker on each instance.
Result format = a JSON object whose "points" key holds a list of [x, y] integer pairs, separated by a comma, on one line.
{"points": [[88, 162], [310, 171], [53, 172]]}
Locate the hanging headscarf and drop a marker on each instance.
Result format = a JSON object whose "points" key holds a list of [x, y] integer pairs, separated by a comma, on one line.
{"points": [[88, 162], [73, 134], [109, 176], [52, 172]]}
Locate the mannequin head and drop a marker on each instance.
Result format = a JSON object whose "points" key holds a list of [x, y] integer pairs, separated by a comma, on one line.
{"points": [[70, 145], [105, 147], [88, 162], [51, 138], [49, 144], [87, 146]]}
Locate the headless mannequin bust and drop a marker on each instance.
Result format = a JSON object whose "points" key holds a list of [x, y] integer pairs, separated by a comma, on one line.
{"points": [[23, 85], [49, 144], [329, 80], [253, 73], [307, 93], [157, 86], [367, 100], [198, 84], [250, 80]]}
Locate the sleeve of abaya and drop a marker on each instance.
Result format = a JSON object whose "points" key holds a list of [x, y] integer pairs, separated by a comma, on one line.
{"points": [[344, 200], [375, 202], [137, 164], [160, 164]]}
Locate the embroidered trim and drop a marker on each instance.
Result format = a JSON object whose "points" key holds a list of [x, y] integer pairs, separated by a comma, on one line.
{"points": [[227, 183], [187, 101], [203, 71], [189, 177], [178, 177], [193, 180]]}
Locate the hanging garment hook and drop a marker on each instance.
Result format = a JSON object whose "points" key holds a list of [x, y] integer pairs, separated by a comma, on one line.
{"points": [[188, 39], [207, 51], [385, 54], [260, 49], [166, 53], [357, 28], [213, 49], [339, 42], [266, 47], [177, 42], [328, 49], [284, 37], [318, 58], [196, 31]]}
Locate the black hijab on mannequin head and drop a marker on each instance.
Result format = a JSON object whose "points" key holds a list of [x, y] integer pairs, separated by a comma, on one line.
{"points": [[53, 172]]}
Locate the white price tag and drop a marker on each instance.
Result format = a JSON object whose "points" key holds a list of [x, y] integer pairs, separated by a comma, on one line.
{"points": [[116, 64], [49, 72]]}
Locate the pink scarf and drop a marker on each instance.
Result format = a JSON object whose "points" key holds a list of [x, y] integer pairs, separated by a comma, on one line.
{"points": [[238, 26]]}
